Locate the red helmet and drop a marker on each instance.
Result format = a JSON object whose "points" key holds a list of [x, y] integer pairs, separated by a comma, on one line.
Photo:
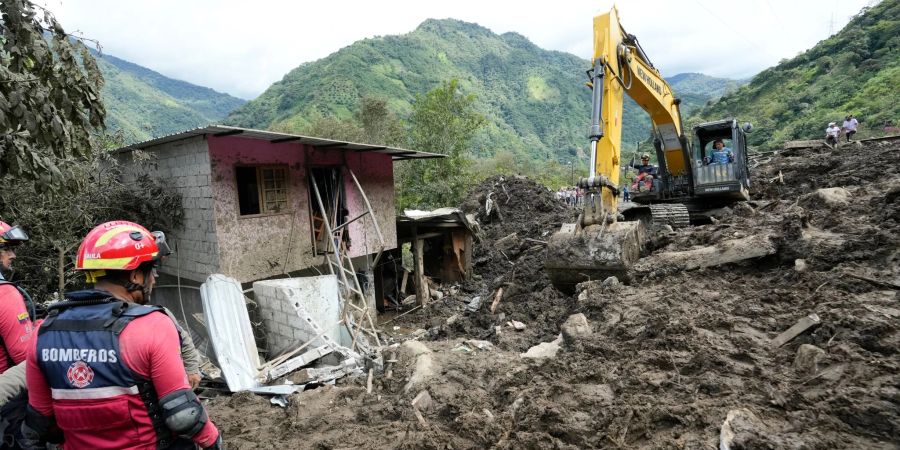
{"points": [[117, 245], [11, 235]]}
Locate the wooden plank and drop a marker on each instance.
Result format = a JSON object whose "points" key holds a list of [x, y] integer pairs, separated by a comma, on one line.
{"points": [[403, 282], [801, 326], [422, 294]]}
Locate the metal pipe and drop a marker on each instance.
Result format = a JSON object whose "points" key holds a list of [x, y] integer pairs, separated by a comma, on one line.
{"points": [[596, 113]]}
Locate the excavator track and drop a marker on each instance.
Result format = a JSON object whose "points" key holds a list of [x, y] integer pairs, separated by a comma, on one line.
{"points": [[675, 215]]}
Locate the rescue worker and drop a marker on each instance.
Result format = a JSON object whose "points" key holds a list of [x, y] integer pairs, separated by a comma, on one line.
{"points": [[16, 314], [105, 370]]}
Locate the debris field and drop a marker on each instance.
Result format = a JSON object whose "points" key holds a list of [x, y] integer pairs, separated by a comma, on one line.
{"points": [[794, 348]]}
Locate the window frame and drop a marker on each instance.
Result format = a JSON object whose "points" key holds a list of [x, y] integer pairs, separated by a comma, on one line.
{"points": [[261, 190]]}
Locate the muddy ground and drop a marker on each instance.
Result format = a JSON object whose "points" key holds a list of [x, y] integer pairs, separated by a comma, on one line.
{"points": [[666, 359]]}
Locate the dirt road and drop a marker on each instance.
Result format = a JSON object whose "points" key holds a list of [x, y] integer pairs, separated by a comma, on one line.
{"points": [[662, 362]]}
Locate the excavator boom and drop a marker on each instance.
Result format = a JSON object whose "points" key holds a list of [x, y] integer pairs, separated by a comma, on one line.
{"points": [[599, 245]]}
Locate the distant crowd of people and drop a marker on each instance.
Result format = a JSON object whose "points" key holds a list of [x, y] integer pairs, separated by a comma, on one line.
{"points": [[571, 195]]}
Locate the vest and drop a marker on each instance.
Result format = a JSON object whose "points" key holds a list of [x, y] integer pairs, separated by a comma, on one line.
{"points": [[95, 394]]}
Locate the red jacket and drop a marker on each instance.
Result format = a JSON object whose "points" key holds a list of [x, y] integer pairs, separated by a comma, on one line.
{"points": [[113, 417], [15, 327]]}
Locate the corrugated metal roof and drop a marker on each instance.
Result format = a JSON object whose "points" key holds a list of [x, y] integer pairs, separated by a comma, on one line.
{"points": [[221, 130]]}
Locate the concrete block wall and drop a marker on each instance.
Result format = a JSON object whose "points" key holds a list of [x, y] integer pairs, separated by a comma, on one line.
{"points": [[296, 310], [185, 166]]}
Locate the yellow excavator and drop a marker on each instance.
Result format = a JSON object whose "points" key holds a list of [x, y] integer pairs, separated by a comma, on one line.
{"points": [[606, 240]]}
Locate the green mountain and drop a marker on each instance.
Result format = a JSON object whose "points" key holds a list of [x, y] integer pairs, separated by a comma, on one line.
{"points": [[856, 71], [144, 103], [534, 99]]}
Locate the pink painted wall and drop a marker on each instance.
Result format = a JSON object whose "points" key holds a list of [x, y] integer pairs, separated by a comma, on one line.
{"points": [[252, 248]]}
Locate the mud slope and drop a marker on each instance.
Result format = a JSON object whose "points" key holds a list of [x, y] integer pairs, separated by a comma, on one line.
{"points": [[665, 360]]}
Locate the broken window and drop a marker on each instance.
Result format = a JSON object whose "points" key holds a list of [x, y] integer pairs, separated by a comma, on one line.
{"points": [[330, 186], [261, 189]]}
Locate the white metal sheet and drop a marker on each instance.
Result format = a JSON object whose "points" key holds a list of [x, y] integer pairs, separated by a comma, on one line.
{"points": [[228, 324]]}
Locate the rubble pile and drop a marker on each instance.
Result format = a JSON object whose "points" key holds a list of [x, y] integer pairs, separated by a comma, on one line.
{"points": [[797, 348]]}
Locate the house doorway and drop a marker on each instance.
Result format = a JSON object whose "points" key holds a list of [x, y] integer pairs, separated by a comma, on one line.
{"points": [[329, 183]]}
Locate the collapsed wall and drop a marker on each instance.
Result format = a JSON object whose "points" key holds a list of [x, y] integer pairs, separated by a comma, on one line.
{"points": [[295, 311]]}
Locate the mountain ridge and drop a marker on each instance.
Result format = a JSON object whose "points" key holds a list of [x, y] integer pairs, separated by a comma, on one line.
{"points": [[143, 103], [534, 99]]}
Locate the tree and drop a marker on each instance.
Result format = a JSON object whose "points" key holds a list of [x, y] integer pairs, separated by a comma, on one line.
{"points": [[443, 121], [49, 96], [379, 125], [57, 220]]}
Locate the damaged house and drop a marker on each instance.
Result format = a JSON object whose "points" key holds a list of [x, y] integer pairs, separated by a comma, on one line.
{"points": [[262, 205]]}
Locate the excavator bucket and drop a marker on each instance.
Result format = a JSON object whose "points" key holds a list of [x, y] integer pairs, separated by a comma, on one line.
{"points": [[575, 254]]}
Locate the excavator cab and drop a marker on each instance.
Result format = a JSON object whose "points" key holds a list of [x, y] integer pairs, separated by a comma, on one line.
{"points": [[717, 178]]}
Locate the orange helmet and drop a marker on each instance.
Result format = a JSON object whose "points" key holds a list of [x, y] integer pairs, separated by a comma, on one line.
{"points": [[117, 245], [11, 235]]}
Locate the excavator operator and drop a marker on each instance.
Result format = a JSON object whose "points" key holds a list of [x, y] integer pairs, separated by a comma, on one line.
{"points": [[646, 172]]}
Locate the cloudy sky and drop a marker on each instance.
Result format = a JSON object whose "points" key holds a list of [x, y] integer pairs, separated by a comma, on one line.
{"points": [[241, 47]]}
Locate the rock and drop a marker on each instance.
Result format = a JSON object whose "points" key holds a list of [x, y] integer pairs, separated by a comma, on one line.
{"points": [[742, 209], [800, 265], [452, 319], [516, 325], [666, 228], [576, 327], [544, 350], [807, 359], [744, 430], [479, 344], [508, 244], [610, 282], [601, 393], [436, 294], [474, 305], [831, 197], [424, 368], [423, 402]]}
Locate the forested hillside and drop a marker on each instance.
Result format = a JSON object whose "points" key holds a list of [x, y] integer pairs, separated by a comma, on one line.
{"points": [[143, 103], [534, 100], [856, 71]]}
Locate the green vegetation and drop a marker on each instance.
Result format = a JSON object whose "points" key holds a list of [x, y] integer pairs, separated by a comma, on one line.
{"points": [[145, 104], [442, 121], [58, 177], [534, 101], [49, 104], [856, 71]]}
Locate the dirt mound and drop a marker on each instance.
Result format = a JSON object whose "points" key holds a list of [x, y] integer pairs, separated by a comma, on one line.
{"points": [[668, 358]]}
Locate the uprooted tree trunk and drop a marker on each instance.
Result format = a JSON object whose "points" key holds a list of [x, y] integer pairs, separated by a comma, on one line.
{"points": [[730, 251]]}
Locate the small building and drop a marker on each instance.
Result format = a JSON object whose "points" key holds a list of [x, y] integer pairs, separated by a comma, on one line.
{"points": [[250, 203]]}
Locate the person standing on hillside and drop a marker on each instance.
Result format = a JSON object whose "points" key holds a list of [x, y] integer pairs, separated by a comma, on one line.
{"points": [[850, 125], [832, 134], [105, 371]]}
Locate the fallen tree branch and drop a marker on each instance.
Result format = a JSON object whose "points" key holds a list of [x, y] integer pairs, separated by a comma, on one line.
{"points": [[886, 284], [497, 297]]}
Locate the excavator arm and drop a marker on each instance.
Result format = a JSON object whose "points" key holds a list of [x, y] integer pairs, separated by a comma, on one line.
{"points": [[620, 67], [599, 245]]}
